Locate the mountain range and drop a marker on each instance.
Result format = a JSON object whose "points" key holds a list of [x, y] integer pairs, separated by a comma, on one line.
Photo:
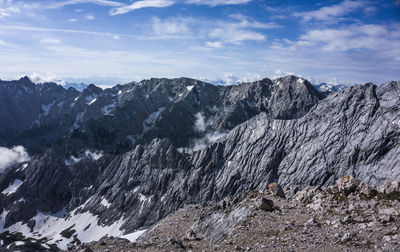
{"points": [[116, 161]]}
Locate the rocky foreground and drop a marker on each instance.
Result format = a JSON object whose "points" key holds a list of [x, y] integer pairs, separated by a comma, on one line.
{"points": [[349, 216]]}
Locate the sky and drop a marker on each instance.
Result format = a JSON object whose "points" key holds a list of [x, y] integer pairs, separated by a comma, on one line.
{"points": [[117, 41]]}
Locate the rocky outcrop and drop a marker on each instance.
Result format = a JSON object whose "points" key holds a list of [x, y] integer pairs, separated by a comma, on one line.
{"points": [[42, 185], [316, 219]]}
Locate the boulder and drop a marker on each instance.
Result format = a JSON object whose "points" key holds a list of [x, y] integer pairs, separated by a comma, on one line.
{"points": [[389, 187], [347, 184], [266, 205], [276, 189], [365, 189]]}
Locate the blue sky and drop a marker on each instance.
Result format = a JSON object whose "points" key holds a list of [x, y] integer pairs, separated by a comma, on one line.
{"points": [[116, 41]]}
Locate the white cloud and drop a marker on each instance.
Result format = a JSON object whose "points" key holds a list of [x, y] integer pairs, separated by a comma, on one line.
{"points": [[238, 32], [202, 143], [246, 22], [93, 155], [214, 3], [72, 2], [235, 35], [48, 77], [173, 26], [10, 157], [200, 123], [373, 37], [2, 42], [331, 12], [215, 44], [89, 17], [72, 20], [141, 4], [231, 79], [7, 8], [50, 41], [43, 29]]}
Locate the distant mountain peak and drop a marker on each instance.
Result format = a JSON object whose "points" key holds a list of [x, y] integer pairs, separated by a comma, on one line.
{"points": [[78, 86]]}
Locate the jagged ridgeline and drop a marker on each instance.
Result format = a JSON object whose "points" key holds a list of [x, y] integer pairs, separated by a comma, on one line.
{"points": [[118, 160]]}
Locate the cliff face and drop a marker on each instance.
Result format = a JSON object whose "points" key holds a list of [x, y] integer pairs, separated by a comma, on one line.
{"points": [[205, 143]]}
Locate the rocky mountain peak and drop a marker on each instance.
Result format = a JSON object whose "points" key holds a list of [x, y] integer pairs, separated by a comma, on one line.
{"points": [[139, 152]]}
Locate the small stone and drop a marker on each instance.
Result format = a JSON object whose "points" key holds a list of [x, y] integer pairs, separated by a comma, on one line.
{"points": [[312, 223], [346, 237], [276, 189], [359, 219], [70, 246], [365, 189], [177, 243], [362, 225], [191, 235], [287, 226], [388, 211], [347, 219], [238, 248], [386, 218], [266, 205]]}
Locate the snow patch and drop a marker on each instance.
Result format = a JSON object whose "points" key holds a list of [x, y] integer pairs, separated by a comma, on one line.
{"points": [[94, 155], [189, 88], [92, 101], [72, 160], [142, 197], [150, 120], [85, 224], [300, 81], [12, 187], [23, 167], [108, 108], [78, 119], [105, 202], [46, 108], [132, 139]]}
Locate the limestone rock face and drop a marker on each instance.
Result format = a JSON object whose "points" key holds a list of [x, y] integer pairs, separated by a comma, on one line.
{"points": [[160, 149]]}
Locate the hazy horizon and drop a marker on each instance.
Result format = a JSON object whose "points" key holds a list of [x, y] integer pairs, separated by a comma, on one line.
{"points": [[113, 41]]}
